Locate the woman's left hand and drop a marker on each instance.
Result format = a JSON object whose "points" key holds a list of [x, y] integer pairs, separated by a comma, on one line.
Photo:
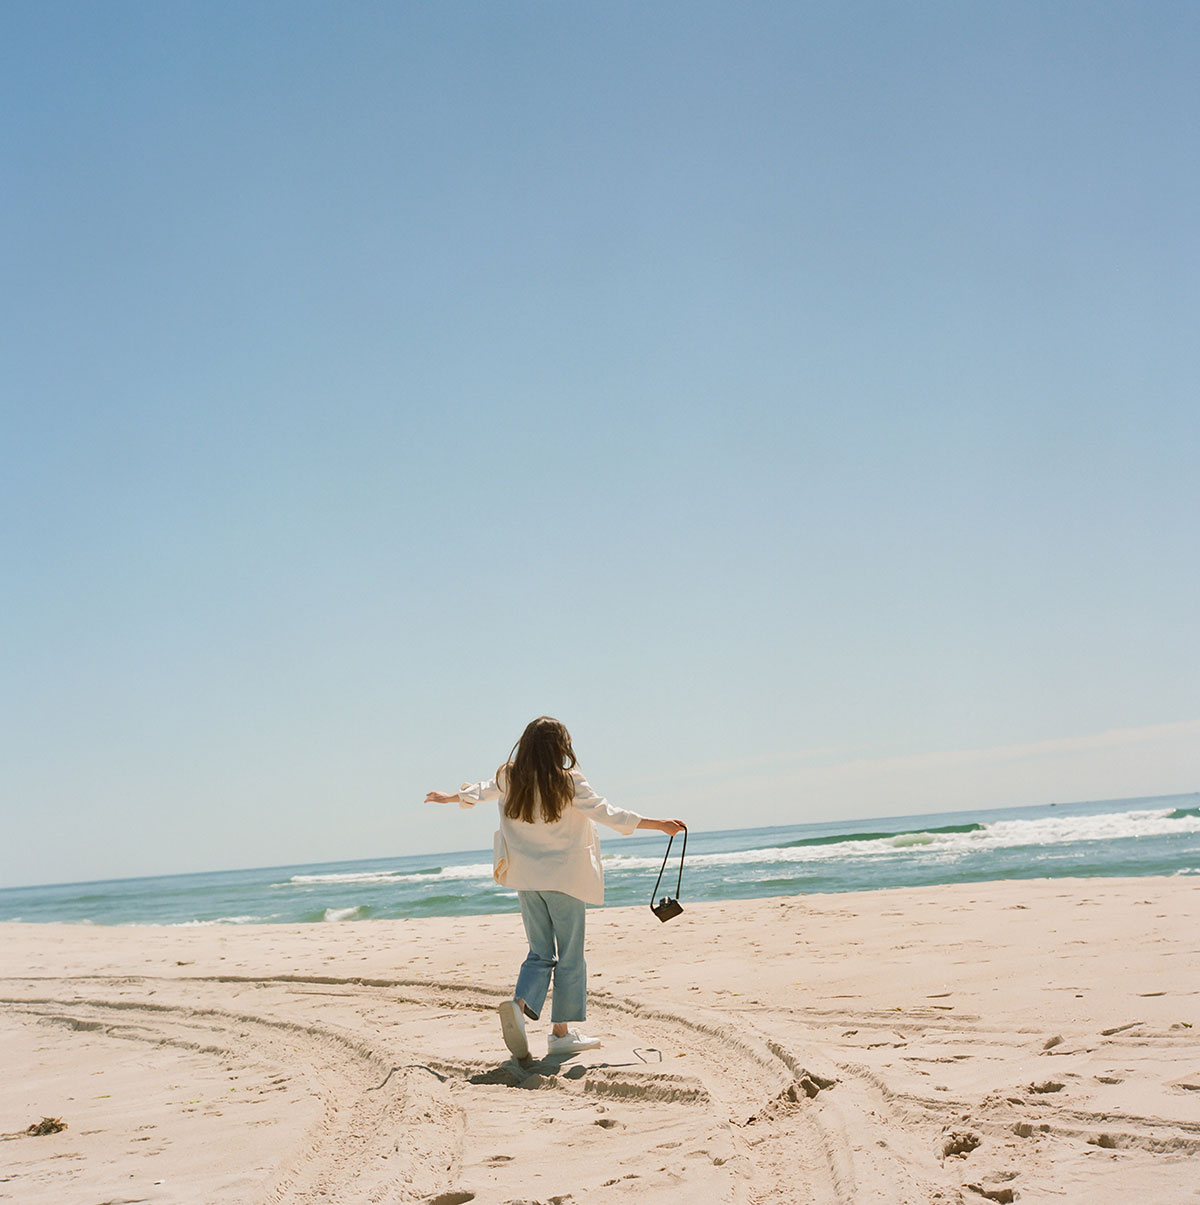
{"points": [[441, 797]]}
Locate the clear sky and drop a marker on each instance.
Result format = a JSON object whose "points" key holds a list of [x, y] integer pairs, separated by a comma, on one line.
{"points": [[798, 400]]}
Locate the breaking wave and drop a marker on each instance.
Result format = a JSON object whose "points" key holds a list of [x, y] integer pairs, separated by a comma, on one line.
{"points": [[951, 839], [431, 874]]}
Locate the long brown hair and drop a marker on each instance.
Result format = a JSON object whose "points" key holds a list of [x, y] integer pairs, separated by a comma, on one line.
{"points": [[539, 769]]}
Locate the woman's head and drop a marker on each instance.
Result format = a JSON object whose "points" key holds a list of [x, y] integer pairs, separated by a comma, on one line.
{"points": [[546, 739], [539, 768]]}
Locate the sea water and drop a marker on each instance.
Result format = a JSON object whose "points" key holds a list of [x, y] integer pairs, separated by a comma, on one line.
{"points": [[1129, 837]]}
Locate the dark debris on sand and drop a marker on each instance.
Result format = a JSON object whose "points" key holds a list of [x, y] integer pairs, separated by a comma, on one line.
{"points": [[48, 1125]]}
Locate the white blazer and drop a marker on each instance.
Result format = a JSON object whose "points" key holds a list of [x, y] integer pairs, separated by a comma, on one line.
{"points": [[563, 856]]}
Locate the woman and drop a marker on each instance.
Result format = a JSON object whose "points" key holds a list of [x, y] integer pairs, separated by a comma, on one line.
{"points": [[548, 851]]}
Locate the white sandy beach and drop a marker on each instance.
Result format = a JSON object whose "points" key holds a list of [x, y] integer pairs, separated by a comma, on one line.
{"points": [[1025, 1041]]}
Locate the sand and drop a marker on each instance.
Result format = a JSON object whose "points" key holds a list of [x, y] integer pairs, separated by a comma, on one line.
{"points": [[1025, 1041]]}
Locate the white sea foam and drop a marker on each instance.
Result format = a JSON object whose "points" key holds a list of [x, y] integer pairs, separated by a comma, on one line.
{"points": [[383, 877], [1002, 834], [221, 920], [908, 840], [929, 846], [366, 876], [336, 914]]}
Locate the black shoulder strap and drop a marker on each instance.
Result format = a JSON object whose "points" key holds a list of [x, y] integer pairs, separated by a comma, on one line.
{"points": [[682, 855]]}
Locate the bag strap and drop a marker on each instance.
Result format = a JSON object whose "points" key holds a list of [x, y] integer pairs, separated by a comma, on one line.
{"points": [[682, 855]]}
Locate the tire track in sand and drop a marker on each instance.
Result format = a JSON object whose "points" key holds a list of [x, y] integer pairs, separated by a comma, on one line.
{"points": [[789, 1122], [785, 1129], [367, 1146]]}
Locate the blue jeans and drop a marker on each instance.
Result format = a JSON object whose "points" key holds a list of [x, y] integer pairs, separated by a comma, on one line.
{"points": [[554, 925]]}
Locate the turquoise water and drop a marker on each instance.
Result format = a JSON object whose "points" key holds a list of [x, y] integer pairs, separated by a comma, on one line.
{"points": [[1128, 837]]}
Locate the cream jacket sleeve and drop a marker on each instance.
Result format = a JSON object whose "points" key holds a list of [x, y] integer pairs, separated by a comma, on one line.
{"points": [[596, 807], [480, 792]]}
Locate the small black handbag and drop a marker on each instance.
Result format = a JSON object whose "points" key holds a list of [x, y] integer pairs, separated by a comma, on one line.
{"points": [[669, 905]]}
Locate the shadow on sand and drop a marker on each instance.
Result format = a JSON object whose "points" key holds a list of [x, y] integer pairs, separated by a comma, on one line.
{"points": [[533, 1073]]}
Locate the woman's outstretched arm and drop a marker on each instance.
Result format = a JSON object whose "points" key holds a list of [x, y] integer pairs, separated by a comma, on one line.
{"points": [[468, 795], [670, 827], [441, 797]]}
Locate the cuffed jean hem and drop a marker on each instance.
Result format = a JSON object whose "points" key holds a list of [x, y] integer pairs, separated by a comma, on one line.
{"points": [[554, 925]]}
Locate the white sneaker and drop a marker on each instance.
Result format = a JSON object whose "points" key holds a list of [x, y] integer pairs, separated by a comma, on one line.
{"points": [[571, 1042], [512, 1022]]}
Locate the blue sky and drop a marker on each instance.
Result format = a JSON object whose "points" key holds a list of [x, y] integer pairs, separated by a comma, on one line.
{"points": [[800, 401]]}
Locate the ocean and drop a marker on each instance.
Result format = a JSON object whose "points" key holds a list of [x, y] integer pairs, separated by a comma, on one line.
{"points": [[1125, 837]]}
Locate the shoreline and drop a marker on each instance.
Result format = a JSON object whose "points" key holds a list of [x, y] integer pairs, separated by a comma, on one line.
{"points": [[816, 1047], [511, 908], [1134, 837]]}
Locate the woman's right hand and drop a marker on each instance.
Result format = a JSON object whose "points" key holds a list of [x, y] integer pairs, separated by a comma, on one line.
{"points": [[670, 827], [441, 797]]}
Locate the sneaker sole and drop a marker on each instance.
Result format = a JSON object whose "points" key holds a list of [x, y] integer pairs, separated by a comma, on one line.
{"points": [[513, 1030]]}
